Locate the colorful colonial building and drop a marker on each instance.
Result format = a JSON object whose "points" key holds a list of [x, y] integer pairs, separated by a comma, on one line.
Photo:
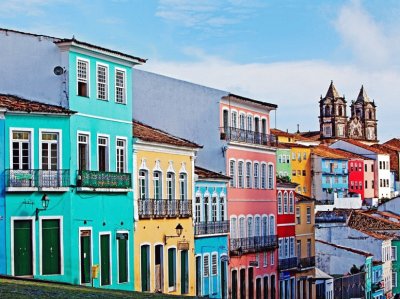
{"points": [[211, 230], [163, 228], [3, 230]]}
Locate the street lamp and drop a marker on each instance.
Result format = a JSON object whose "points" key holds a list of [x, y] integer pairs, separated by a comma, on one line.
{"points": [[178, 229], [45, 205]]}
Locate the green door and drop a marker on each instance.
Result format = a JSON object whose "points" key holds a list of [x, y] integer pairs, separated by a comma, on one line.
{"points": [[105, 259], [145, 268], [51, 262], [85, 256], [184, 272], [122, 257], [23, 248]]}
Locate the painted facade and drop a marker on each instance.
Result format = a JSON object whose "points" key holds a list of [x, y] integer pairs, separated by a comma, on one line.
{"points": [[164, 233], [3, 228], [377, 281], [211, 229], [286, 228], [356, 168], [301, 168], [283, 162]]}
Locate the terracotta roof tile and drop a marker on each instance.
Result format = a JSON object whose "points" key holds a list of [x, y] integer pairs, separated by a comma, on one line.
{"points": [[394, 155], [292, 145], [300, 197], [393, 143], [326, 152], [150, 134], [15, 103], [208, 174]]}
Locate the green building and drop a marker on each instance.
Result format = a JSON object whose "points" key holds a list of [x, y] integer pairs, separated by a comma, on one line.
{"points": [[283, 162]]}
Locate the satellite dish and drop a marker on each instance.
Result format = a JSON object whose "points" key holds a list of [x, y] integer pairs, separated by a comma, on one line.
{"points": [[58, 70]]}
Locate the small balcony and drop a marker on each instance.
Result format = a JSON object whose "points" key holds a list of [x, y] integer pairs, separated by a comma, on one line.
{"points": [[37, 179], [306, 262], [88, 180], [209, 228], [164, 208], [288, 263], [246, 136], [239, 246]]}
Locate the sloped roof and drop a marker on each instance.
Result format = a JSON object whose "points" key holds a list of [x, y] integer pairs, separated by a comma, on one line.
{"points": [[364, 146], [274, 106], [204, 173], [332, 92], [394, 143], [362, 95], [394, 155], [351, 155], [319, 274], [313, 135], [295, 136], [291, 145], [300, 197], [349, 249], [15, 103], [326, 152], [150, 134]]}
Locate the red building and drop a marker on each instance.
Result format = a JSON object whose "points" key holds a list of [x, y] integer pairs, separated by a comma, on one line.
{"points": [[286, 228]]}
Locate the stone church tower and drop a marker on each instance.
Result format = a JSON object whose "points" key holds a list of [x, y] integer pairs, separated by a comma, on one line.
{"points": [[333, 118], [362, 123]]}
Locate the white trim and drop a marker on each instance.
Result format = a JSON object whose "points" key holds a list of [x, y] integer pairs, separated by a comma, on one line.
{"points": [[125, 153], [31, 143], [107, 136], [88, 75], [32, 219], [170, 167], [78, 132], [105, 233], [104, 118], [107, 81], [127, 256], [124, 71], [81, 228], [140, 265], [174, 288], [163, 148], [60, 218], [59, 142], [251, 147]]}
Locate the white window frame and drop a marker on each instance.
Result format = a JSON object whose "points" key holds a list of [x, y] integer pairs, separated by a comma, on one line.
{"points": [[87, 79], [232, 182], [107, 137], [88, 148], [214, 255], [124, 87], [31, 143], [106, 83], [256, 175], [82, 228], [279, 198], [206, 257], [241, 177], [59, 142], [248, 174], [285, 202], [118, 138]]}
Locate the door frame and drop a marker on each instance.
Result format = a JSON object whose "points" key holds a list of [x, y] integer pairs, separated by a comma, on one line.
{"points": [[226, 272], [180, 272], [127, 256], [163, 265], [199, 271], [140, 265], [105, 233], [81, 228], [32, 219], [60, 218]]}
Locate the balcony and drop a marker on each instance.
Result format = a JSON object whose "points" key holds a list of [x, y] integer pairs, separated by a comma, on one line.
{"points": [[246, 136], [209, 228], [287, 263], [306, 262], [164, 208], [37, 179], [239, 246], [88, 180]]}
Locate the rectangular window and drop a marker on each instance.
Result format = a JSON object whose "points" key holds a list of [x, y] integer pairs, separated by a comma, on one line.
{"points": [[270, 176], [263, 176], [366, 184], [248, 175], [21, 150], [232, 173], [372, 167], [272, 258], [394, 253], [265, 258], [304, 156], [206, 266], [256, 175], [304, 173], [120, 88], [102, 152], [240, 174], [122, 243], [298, 249], [50, 155], [394, 279], [183, 186], [102, 82], [121, 155], [83, 78], [172, 268], [293, 156], [143, 187], [308, 215], [170, 185], [291, 246], [298, 217], [293, 172], [214, 265], [83, 151], [308, 247]]}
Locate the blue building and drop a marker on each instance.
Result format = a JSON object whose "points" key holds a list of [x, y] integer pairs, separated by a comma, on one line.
{"points": [[211, 233], [377, 281], [2, 196]]}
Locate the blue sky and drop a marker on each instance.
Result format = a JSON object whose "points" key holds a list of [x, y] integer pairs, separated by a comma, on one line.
{"points": [[285, 52]]}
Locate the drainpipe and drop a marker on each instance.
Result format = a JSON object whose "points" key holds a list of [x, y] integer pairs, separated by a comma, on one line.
{"points": [[3, 260]]}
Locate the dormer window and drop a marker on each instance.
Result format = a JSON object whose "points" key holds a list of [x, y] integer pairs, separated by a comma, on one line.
{"points": [[120, 87], [83, 78]]}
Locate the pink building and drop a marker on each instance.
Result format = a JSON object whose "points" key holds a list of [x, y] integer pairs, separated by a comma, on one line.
{"points": [[252, 207]]}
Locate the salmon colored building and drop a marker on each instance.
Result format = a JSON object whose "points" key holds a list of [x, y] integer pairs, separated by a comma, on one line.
{"points": [[250, 154]]}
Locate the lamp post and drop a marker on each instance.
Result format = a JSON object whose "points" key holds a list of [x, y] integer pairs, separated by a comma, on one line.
{"points": [[45, 205], [178, 229]]}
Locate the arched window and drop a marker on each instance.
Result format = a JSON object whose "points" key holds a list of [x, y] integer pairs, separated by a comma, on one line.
{"points": [[157, 184], [170, 185], [250, 227], [242, 122], [279, 202], [263, 176], [143, 184], [270, 176], [257, 226], [234, 119], [197, 208], [249, 123], [291, 203], [248, 174], [240, 174], [285, 202], [327, 110], [214, 206], [272, 225], [341, 110], [264, 224], [183, 186], [206, 208], [242, 231], [233, 227], [222, 208], [256, 176], [232, 173]]}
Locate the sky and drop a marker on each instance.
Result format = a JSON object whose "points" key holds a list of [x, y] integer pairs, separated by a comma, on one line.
{"points": [[282, 52]]}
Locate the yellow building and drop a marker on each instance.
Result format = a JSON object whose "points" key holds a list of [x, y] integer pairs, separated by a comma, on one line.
{"points": [[305, 246], [163, 232]]}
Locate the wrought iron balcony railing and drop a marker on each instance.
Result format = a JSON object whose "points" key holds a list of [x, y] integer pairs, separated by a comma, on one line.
{"points": [[102, 179], [306, 262], [288, 263], [247, 136], [238, 246], [164, 208], [210, 227], [37, 178]]}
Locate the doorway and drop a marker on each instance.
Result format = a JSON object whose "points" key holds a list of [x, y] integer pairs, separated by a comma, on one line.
{"points": [[85, 255], [23, 249], [198, 276], [159, 268], [242, 283]]}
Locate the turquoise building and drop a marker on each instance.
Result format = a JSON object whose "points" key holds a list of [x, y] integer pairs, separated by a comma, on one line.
{"points": [[377, 281], [3, 248], [211, 233]]}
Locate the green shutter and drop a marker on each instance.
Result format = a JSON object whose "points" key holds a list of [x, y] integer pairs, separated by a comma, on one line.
{"points": [[51, 247], [171, 267], [144, 268], [184, 272], [122, 260], [105, 259], [23, 248], [85, 259]]}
